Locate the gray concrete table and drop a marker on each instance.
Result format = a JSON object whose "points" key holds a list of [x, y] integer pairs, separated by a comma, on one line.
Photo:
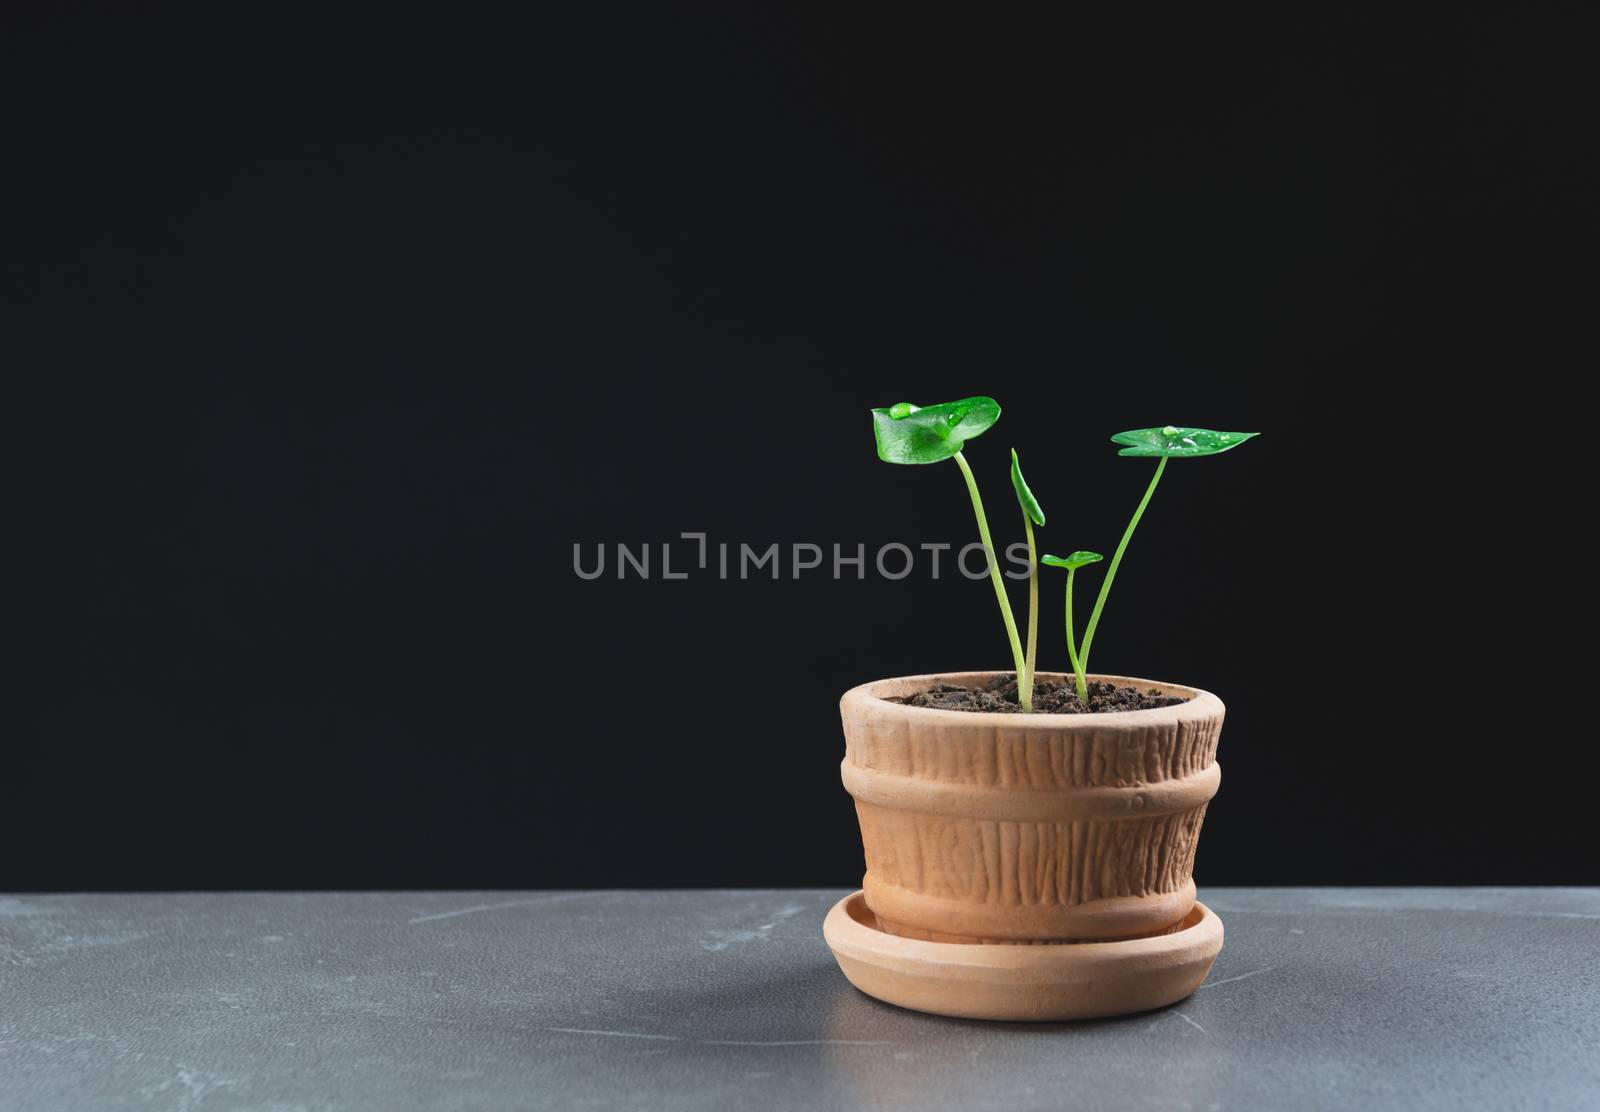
{"points": [[1323, 998]]}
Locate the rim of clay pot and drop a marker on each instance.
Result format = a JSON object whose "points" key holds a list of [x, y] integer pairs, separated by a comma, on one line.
{"points": [[1199, 702]]}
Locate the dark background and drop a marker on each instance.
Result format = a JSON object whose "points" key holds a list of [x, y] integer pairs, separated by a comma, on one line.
{"points": [[328, 339]]}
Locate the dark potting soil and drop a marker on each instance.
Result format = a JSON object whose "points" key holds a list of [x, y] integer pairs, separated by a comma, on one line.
{"points": [[999, 696]]}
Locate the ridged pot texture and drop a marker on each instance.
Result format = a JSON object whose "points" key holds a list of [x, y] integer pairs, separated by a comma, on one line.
{"points": [[1028, 828]]}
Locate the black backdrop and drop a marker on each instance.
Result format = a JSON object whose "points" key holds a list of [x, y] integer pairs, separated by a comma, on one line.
{"points": [[328, 340]]}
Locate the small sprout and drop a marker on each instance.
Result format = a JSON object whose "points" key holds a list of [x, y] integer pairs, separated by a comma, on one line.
{"points": [[1032, 515], [1072, 564], [1030, 504], [907, 433], [1167, 442]]}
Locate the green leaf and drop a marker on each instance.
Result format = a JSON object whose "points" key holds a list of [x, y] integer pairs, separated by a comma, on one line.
{"points": [[1175, 442], [911, 434], [1030, 504], [1073, 562]]}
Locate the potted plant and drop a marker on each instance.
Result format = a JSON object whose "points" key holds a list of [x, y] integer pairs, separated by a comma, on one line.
{"points": [[1002, 808]]}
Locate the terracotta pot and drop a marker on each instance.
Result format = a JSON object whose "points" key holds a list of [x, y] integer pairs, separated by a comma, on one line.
{"points": [[1027, 828]]}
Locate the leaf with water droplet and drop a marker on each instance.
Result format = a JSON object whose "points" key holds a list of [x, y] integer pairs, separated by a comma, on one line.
{"points": [[1073, 562], [906, 433], [1176, 442], [1030, 504]]}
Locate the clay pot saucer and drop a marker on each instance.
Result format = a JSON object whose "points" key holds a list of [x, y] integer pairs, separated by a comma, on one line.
{"points": [[1069, 980]]}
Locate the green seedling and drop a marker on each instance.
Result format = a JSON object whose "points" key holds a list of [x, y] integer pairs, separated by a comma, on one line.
{"points": [[907, 433], [1167, 442], [1072, 564], [1032, 515]]}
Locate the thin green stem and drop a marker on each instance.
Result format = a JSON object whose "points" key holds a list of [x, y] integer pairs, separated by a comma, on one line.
{"points": [[1033, 610], [1111, 571], [1072, 644], [1023, 697]]}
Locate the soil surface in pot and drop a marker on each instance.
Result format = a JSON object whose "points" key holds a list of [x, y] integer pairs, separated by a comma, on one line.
{"points": [[999, 696]]}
